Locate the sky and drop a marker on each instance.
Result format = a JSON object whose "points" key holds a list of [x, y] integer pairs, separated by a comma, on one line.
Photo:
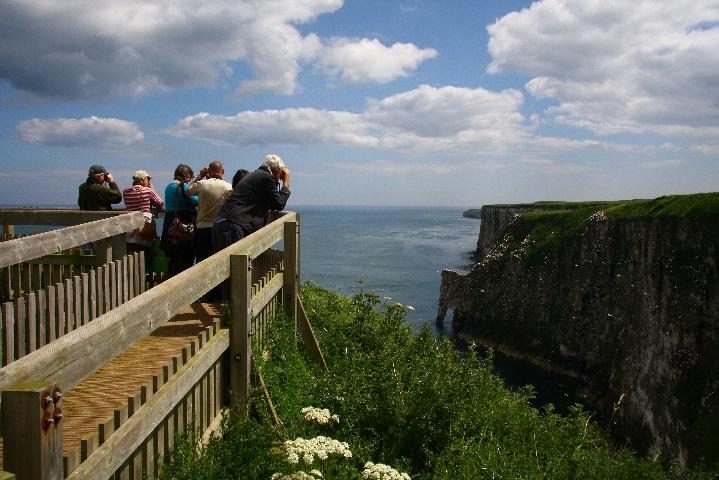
{"points": [[369, 102]]}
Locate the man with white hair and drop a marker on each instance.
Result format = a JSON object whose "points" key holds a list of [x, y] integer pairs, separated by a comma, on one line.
{"points": [[245, 210]]}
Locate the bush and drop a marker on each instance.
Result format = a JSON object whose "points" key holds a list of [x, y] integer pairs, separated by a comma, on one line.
{"points": [[411, 401]]}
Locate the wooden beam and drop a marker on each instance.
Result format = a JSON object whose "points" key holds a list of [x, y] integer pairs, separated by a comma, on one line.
{"points": [[308, 336], [69, 359], [113, 453], [46, 243]]}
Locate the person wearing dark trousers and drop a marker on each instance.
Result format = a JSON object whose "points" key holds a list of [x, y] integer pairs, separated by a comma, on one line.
{"points": [[181, 256], [246, 209], [211, 190]]}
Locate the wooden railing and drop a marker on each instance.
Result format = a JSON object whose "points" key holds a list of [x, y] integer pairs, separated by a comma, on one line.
{"points": [[186, 395], [33, 262]]}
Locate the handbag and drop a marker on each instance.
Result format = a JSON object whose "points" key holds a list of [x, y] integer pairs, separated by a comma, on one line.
{"points": [[148, 230], [181, 232]]}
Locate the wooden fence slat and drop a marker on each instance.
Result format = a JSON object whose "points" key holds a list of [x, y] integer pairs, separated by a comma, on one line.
{"points": [[85, 285], [69, 306], [20, 335], [131, 276], [51, 326], [101, 289], [92, 297], [31, 322], [77, 299], [124, 279], [60, 313], [8, 347], [41, 318], [113, 285]]}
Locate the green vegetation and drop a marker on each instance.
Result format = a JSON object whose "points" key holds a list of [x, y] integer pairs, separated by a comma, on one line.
{"points": [[410, 401]]}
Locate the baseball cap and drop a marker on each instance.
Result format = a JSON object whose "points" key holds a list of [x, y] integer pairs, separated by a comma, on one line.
{"points": [[97, 169]]}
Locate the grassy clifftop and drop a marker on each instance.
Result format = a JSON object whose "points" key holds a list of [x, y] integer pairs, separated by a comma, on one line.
{"points": [[551, 224]]}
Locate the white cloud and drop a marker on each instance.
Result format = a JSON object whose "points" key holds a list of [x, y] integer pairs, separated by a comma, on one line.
{"points": [[423, 119], [92, 132], [368, 60], [707, 149], [642, 66], [78, 49]]}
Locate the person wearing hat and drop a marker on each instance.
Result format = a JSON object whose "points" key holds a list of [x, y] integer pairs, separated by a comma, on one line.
{"points": [[94, 194], [139, 198]]}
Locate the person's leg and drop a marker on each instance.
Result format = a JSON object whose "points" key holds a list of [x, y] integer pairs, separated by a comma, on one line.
{"points": [[203, 244]]}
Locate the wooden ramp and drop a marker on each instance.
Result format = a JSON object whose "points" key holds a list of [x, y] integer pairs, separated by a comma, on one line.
{"points": [[93, 409]]}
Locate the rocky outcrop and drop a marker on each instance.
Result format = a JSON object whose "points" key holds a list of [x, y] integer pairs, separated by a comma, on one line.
{"points": [[494, 221], [626, 298]]}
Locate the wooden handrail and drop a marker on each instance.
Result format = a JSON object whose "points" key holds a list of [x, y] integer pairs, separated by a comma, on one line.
{"points": [[46, 243], [71, 358], [53, 216]]}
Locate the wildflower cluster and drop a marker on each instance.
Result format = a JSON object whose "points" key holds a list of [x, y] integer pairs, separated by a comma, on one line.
{"points": [[313, 475], [320, 447], [319, 415], [600, 216], [380, 471]]}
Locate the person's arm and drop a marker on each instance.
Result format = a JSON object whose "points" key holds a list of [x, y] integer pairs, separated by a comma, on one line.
{"points": [[114, 195], [193, 199], [155, 199], [276, 198], [195, 185]]}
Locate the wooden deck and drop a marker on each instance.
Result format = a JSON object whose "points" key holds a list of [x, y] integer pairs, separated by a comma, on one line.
{"points": [[109, 394]]}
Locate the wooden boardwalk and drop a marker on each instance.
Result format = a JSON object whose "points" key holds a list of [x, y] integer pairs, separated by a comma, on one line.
{"points": [[111, 391], [99, 372]]}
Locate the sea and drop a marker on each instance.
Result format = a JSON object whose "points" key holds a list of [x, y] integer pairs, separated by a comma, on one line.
{"points": [[398, 253]]}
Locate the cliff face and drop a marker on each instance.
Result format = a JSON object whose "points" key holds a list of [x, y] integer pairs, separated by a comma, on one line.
{"points": [[630, 301], [494, 221]]}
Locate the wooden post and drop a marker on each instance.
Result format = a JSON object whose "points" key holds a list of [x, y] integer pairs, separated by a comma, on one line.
{"points": [[240, 351], [119, 246], [8, 231], [32, 431], [289, 285], [103, 251]]}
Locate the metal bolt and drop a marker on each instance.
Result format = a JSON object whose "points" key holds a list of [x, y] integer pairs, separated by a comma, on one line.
{"points": [[47, 402], [57, 395], [57, 417], [237, 357]]}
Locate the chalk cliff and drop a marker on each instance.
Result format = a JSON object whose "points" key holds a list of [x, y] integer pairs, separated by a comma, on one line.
{"points": [[623, 293]]}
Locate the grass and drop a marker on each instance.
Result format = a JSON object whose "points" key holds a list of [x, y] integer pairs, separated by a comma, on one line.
{"points": [[407, 400]]}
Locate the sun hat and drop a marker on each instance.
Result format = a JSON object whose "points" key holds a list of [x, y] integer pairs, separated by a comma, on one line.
{"points": [[140, 175]]}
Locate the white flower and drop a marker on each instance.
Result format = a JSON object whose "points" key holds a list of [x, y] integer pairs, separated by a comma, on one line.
{"points": [[319, 415], [410, 308], [380, 471], [319, 447], [313, 475]]}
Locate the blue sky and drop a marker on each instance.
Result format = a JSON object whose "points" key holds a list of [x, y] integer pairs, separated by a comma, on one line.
{"points": [[370, 102]]}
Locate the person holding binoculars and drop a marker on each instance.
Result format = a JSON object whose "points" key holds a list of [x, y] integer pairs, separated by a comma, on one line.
{"points": [[94, 194]]}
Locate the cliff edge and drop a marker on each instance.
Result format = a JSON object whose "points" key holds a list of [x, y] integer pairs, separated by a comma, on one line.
{"points": [[623, 293]]}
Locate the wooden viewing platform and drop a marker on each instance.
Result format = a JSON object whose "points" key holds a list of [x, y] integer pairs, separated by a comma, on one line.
{"points": [[99, 371]]}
